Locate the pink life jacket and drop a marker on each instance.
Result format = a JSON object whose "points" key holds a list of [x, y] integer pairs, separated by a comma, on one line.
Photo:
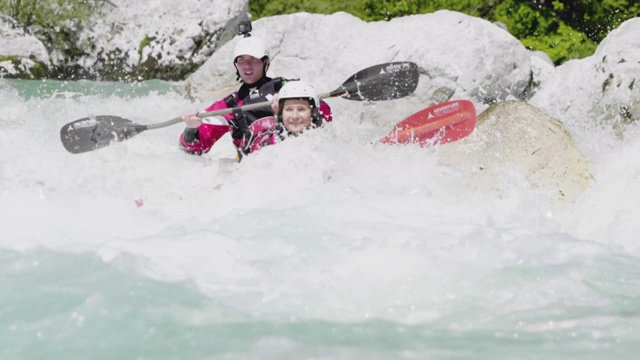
{"points": [[263, 132]]}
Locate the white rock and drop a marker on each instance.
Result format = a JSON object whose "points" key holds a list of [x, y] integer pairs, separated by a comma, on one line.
{"points": [[459, 56], [543, 69], [602, 90], [515, 137], [18, 44], [178, 31]]}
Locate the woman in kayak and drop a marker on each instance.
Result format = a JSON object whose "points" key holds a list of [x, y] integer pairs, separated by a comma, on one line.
{"points": [[297, 108], [251, 62]]}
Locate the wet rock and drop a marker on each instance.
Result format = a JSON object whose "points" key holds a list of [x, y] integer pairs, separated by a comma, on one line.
{"points": [[515, 140], [22, 55]]}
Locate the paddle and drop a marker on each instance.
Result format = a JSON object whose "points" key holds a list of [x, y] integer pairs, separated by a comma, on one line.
{"points": [[438, 124], [379, 82]]}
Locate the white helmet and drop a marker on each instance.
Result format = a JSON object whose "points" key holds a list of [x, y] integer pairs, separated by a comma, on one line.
{"points": [[250, 45], [298, 90]]}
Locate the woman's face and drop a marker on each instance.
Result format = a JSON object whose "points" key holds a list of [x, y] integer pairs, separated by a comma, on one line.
{"points": [[296, 115], [251, 69]]}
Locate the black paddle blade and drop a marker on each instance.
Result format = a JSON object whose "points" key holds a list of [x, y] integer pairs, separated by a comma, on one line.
{"points": [[381, 82], [92, 133]]}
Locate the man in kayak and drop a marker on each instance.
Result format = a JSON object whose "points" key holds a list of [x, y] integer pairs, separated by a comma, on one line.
{"points": [[251, 62]]}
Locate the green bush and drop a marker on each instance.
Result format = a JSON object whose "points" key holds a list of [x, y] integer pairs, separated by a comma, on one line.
{"points": [[594, 18], [389, 9], [49, 13], [57, 23], [538, 29], [264, 8]]}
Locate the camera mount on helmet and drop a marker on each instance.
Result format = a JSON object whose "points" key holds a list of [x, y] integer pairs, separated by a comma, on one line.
{"points": [[244, 28]]}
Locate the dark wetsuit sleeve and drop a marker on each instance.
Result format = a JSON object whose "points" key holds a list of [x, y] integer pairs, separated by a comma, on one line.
{"points": [[190, 135]]}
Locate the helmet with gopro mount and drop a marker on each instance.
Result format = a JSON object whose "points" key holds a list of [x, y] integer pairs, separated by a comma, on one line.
{"points": [[250, 46]]}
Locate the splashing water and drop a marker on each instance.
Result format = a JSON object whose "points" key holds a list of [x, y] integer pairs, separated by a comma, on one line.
{"points": [[328, 245]]}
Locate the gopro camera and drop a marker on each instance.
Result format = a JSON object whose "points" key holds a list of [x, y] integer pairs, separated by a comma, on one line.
{"points": [[244, 28]]}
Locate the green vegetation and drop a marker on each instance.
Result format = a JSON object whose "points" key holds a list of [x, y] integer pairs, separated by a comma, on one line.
{"points": [[57, 23], [49, 13], [144, 43], [564, 29], [262, 8], [39, 70]]}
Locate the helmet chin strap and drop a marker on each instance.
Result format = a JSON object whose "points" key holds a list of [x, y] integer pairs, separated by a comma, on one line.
{"points": [[316, 119]]}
